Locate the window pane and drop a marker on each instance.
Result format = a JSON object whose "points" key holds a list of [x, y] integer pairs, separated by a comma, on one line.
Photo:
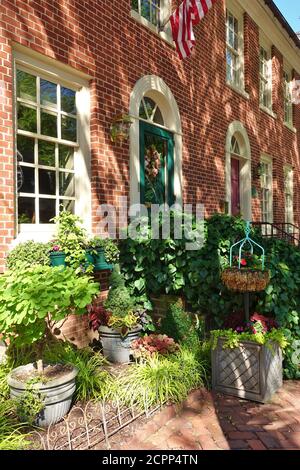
{"points": [[69, 128], [25, 147], [27, 118], [145, 9], [26, 86], [66, 157], [66, 184], [47, 210], [68, 100], [47, 183], [158, 119], [26, 179], [67, 205], [48, 93], [26, 210], [48, 124], [135, 5], [46, 153]]}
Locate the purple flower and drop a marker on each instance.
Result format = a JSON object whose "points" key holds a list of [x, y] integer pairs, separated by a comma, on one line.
{"points": [[56, 248], [239, 329]]}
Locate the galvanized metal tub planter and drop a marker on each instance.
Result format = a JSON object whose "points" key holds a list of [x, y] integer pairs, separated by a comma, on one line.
{"points": [[57, 393], [250, 371], [245, 280], [117, 348]]}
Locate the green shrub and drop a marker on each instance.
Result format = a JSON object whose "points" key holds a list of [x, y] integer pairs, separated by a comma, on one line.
{"points": [[119, 301], [161, 379], [28, 296], [28, 254], [181, 326], [109, 246]]}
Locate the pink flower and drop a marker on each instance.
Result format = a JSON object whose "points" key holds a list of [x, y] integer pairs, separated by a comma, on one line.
{"points": [[56, 248]]}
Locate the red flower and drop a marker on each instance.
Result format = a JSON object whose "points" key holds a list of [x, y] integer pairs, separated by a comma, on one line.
{"points": [[243, 262]]}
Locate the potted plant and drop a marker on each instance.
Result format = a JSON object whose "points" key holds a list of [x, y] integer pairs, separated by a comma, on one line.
{"points": [[28, 297], [247, 360], [105, 253], [69, 247], [121, 320], [57, 257], [246, 274]]}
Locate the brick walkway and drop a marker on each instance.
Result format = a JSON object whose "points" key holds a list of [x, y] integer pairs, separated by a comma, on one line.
{"points": [[211, 421]]}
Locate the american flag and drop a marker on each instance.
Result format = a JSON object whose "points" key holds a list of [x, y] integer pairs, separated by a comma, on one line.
{"points": [[187, 15]]}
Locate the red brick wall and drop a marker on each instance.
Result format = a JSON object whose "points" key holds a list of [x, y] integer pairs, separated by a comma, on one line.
{"points": [[117, 51]]}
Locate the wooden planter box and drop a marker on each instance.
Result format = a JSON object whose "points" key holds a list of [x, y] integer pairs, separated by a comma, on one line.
{"points": [[251, 371]]}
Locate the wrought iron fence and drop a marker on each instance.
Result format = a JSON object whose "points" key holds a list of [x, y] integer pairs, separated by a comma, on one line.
{"points": [[89, 426]]}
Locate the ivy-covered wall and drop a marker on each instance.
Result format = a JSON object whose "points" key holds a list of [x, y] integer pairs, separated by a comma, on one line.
{"points": [[166, 266]]}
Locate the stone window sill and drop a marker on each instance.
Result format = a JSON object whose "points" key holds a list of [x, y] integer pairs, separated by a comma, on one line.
{"points": [[268, 111], [238, 90], [290, 127], [144, 22]]}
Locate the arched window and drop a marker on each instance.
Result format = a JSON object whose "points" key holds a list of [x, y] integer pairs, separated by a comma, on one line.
{"points": [[235, 148], [150, 111]]}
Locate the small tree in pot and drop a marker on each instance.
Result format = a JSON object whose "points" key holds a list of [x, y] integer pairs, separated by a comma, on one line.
{"points": [[27, 299], [122, 319]]}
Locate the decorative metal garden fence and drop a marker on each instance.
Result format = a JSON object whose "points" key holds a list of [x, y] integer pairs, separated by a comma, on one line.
{"points": [[89, 426]]}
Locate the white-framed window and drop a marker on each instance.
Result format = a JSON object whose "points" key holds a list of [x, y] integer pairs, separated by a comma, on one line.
{"points": [[51, 145], [289, 194], [234, 49], [265, 78], [266, 178], [148, 9], [153, 13], [287, 97]]}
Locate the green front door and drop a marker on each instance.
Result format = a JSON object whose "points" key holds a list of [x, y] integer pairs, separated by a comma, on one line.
{"points": [[157, 165]]}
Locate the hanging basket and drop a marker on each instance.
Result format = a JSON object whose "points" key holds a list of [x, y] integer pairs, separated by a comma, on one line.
{"points": [[245, 280]]}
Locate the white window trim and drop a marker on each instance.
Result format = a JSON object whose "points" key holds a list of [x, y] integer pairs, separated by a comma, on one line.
{"points": [[235, 9], [66, 76], [269, 161], [237, 129], [288, 172], [165, 12], [267, 46], [158, 90], [287, 69]]}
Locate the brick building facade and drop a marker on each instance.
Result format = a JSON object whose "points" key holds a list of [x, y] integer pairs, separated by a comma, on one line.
{"points": [[223, 119]]}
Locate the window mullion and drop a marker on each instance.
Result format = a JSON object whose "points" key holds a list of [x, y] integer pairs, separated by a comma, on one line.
{"points": [[36, 176]]}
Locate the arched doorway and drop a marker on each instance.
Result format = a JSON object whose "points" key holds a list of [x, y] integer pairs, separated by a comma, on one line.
{"points": [[155, 144], [238, 171]]}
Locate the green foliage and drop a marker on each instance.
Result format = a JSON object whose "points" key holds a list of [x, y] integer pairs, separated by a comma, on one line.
{"points": [[11, 437], [28, 254], [5, 369], [232, 338], [72, 240], [92, 382], [161, 379], [181, 326], [28, 296], [119, 301], [31, 402], [165, 266]]}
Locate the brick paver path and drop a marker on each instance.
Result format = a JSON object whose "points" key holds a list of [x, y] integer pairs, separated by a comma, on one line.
{"points": [[211, 421]]}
